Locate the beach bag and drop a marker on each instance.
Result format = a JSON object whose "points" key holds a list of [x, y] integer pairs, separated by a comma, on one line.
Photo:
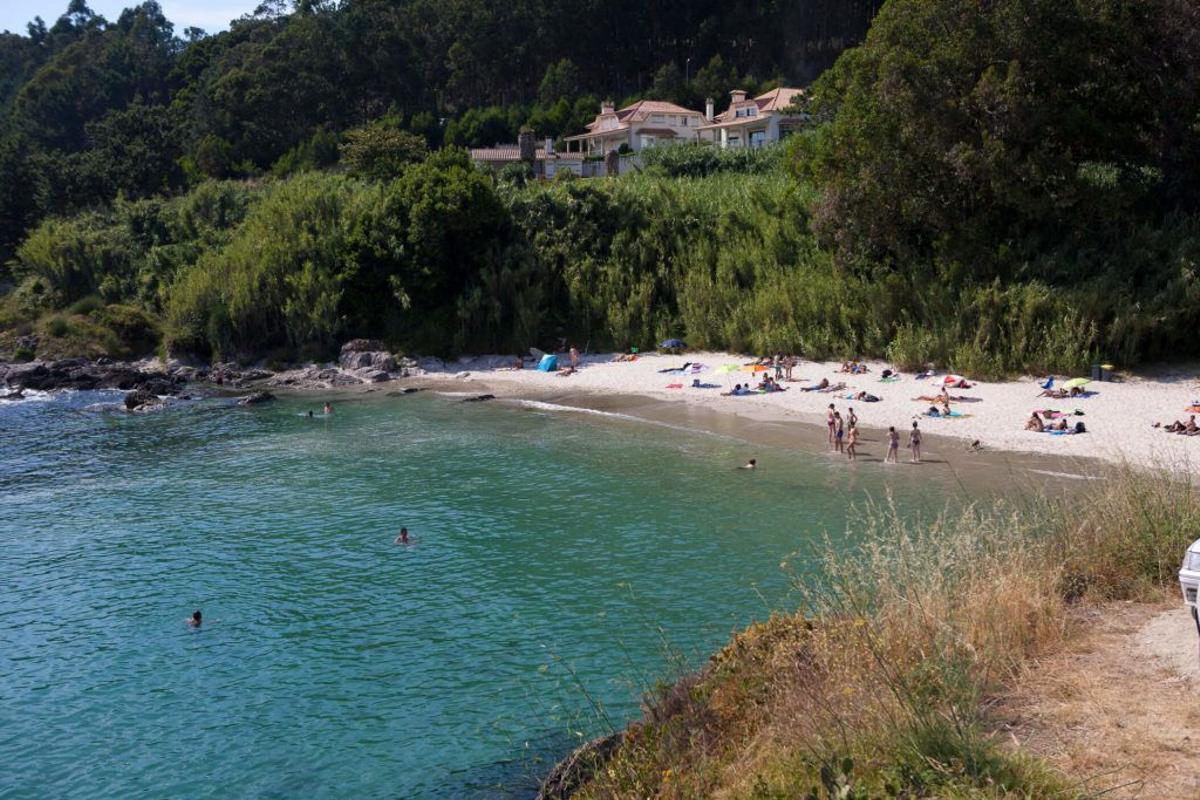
{"points": [[1080, 427]]}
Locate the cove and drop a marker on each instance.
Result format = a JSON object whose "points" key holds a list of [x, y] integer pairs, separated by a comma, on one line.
{"points": [[562, 564]]}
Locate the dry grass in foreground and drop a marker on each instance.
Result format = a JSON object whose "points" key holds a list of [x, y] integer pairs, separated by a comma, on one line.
{"points": [[881, 685]]}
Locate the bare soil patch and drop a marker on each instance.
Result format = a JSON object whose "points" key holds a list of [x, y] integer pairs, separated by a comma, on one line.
{"points": [[1119, 707]]}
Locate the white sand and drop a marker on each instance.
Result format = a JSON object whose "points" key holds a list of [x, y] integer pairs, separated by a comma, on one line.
{"points": [[1118, 415]]}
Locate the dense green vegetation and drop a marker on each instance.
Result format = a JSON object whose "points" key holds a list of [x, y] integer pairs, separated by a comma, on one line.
{"points": [[92, 108], [1011, 188]]}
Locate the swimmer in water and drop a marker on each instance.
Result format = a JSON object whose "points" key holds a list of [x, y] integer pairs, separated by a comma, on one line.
{"points": [[310, 412], [194, 621], [403, 537], [328, 408], [751, 464]]}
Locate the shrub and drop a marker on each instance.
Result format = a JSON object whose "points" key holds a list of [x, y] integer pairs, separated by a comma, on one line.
{"points": [[912, 348], [86, 306]]}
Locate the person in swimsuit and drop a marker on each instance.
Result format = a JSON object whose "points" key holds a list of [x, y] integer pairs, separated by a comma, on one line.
{"points": [[1034, 423], [853, 418], [751, 464], [328, 408], [893, 451], [195, 620], [829, 422], [839, 432], [852, 442], [914, 443], [403, 537]]}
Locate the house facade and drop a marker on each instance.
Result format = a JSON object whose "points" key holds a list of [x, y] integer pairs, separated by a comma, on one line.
{"points": [[753, 122], [644, 124]]}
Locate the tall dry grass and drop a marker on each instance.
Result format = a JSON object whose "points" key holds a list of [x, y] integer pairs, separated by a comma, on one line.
{"points": [[879, 685]]}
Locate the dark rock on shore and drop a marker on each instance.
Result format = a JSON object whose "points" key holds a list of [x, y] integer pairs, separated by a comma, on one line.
{"points": [[576, 769], [79, 373], [255, 399]]}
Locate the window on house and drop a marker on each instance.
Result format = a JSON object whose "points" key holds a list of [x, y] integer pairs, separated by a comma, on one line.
{"points": [[758, 138], [648, 141], [657, 118]]}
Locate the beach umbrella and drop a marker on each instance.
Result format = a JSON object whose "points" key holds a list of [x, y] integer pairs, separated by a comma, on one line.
{"points": [[672, 344], [1075, 383]]}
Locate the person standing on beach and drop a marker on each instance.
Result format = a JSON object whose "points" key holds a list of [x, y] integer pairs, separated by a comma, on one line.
{"points": [[893, 451], [839, 432], [574, 354], [852, 442], [853, 418], [914, 443], [831, 423]]}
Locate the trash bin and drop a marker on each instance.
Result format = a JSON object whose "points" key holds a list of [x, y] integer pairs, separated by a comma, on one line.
{"points": [[1097, 372]]}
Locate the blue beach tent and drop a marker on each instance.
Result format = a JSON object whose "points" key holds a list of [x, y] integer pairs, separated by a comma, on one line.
{"points": [[548, 363]]}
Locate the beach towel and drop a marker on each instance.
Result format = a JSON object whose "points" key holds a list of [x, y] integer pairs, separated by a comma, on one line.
{"points": [[943, 415], [890, 379], [674, 385]]}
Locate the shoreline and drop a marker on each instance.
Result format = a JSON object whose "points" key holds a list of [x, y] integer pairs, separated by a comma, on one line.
{"points": [[1118, 414]]}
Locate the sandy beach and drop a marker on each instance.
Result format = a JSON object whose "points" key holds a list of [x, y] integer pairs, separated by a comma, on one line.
{"points": [[1118, 414]]}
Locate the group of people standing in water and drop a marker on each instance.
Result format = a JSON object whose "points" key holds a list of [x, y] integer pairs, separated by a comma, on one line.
{"points": [[844, 437]]}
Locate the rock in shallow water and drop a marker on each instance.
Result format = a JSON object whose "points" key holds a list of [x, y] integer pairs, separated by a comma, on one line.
{"points": [[255, 399]]}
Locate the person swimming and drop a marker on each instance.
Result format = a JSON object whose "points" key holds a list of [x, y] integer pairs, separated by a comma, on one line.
{"points": [[195, 620], [751, 464], [403, 537], [310, 412], [328, 408]]}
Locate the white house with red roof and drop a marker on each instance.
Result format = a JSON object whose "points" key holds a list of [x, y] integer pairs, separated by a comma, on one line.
{"points": [[754, 122], [646, 123]]}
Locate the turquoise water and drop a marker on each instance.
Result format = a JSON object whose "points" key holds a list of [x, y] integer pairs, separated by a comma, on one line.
{"points": [[562, 564]]}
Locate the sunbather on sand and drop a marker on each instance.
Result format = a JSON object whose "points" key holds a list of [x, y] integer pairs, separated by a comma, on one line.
{"points": [[820, 387], [1034, 423], [566, 372], [1062, 425], [837, 387]]}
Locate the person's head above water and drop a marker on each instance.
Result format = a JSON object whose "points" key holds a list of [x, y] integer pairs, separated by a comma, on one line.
{"points": [[403, 537], [195, 621]]}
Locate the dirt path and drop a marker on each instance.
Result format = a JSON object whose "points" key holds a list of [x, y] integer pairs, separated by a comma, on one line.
{"points": [[1120, 708]]}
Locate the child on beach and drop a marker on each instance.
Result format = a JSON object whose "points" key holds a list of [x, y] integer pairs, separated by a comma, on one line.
{"points": [[852, 442]]}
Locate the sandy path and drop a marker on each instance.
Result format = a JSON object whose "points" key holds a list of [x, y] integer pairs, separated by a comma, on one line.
{"points": [[1120, 707], [1118, 416]]}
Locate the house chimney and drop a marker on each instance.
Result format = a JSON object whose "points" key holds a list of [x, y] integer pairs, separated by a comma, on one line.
{"points": [[607, 107], [527, 146], [738, 96], [708, 109]]}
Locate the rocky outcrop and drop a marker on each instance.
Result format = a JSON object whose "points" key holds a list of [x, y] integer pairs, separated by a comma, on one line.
{"points": [[576, 769], [358, 354], [141, 400], [81, 374], [257, 398]]}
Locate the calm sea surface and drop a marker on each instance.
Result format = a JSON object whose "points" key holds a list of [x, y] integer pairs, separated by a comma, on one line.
{"points": [[563, 562]]}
